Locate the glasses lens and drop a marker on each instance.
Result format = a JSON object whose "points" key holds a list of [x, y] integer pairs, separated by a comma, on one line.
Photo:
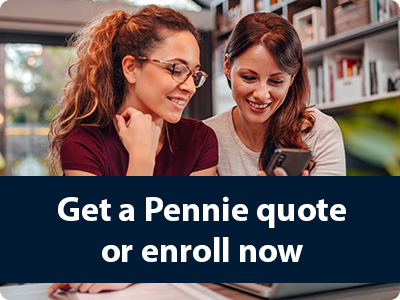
{"points": [[199, 78], [181, 73]]}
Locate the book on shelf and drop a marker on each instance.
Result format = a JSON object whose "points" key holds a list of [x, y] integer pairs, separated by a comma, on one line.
{"points": [[312, 76], [320, 85], [373, 78], [349, 67], [386, 9], [347, 79]]}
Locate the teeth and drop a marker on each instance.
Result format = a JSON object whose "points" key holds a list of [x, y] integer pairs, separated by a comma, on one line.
{"points": [[258, 106], [179, 102]]}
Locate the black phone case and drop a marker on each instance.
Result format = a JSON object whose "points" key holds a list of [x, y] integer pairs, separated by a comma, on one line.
{"points": [[294, 161]]}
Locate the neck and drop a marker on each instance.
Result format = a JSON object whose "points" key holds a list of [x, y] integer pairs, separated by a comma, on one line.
{"points": [[251, 135]]}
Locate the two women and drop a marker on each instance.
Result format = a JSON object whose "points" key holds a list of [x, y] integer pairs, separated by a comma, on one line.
{"points": [[150, 79], [121, 110]]}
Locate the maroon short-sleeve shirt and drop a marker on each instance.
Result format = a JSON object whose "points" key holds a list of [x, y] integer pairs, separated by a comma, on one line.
{"points": [[100, 151]]}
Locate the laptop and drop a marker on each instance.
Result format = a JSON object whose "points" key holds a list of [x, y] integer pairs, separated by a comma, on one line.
{"points": [[282, 290]]}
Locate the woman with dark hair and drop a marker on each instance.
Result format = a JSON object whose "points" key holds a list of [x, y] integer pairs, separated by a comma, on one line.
{"points": [[121, 110], [267, 72]]}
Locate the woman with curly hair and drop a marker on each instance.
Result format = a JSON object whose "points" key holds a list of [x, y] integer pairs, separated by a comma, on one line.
{"points": [[266, 70], [121, 110]]}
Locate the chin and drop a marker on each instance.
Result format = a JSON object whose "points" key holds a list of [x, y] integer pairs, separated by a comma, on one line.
{"points": [[173, 119]]}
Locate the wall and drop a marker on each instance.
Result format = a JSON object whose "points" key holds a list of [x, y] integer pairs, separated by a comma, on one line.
{"points": [[66, 16]]}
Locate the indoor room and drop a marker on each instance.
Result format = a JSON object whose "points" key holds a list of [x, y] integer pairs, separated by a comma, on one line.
{"points": [[351, 48]]}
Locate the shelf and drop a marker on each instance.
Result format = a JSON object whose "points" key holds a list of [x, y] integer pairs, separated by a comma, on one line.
{"points": [[350, 36], [385, 96], [278, 5], [375, 42]]}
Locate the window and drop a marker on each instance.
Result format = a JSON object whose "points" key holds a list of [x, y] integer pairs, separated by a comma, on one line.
{"points": [[34, 77]]}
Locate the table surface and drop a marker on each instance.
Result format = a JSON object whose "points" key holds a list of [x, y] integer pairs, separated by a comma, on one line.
{"points": [[387, 291]]}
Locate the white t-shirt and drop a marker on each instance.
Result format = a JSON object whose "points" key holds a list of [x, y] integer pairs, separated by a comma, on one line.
{"points": [[325, 141]]}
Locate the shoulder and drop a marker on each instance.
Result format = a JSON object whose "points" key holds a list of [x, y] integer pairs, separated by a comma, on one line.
{"points": [[89, 136], [322, 118], [219, 120], [324, 124], [222, 124], [84, 131]]}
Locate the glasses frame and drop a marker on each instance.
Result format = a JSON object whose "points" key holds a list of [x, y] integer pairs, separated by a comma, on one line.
{"points": [[191, 73]]}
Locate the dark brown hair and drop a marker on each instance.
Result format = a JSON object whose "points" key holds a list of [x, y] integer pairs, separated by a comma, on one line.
{"points": [[97, 85], [293, 119]]}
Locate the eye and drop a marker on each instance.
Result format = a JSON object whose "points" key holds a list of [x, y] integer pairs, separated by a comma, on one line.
{"points": [[277, 81], [248, 78], [170, 69], [179, 70]]}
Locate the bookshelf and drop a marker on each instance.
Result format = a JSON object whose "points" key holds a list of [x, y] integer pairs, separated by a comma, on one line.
{"points": [[351, 60]]}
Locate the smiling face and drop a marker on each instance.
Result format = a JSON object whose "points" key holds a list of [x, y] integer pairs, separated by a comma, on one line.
{"points": [[259, 87], [152, 90]]}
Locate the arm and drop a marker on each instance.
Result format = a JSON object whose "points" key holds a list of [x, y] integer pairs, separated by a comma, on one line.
{"points": [[92, 288], [77, 173], [207, 172]]}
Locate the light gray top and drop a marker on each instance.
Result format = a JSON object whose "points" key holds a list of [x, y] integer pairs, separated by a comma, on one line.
{"points": [[325, 141]]}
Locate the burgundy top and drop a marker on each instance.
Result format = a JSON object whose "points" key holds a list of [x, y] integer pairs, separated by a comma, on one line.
{"points": [[100, 151]]}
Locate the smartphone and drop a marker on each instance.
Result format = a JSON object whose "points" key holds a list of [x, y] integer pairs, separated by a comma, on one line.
{"points": [[293, 161]]}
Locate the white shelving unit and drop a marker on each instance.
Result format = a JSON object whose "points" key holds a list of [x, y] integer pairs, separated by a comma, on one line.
{"points": [[373, 47]]}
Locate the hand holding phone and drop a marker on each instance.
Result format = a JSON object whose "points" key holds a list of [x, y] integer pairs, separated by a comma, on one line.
{"points": [[293, 161]]}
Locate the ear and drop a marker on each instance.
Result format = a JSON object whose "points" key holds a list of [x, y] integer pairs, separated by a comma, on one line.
{"points": [[129, 67], [227, 67], [292, 79]]}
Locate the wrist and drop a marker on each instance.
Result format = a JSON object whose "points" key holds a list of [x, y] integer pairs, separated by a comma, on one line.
{"points": [[141, 165]]}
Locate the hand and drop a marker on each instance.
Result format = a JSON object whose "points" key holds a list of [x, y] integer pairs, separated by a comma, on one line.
{"points": [[140, 135], [92, 288], [281, 172]]}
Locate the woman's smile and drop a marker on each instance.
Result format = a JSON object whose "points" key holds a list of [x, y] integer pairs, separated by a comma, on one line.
{"points": [[258, 108]]}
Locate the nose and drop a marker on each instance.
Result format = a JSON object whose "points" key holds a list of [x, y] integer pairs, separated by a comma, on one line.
{"points": [[262, 92], [188, 85]]}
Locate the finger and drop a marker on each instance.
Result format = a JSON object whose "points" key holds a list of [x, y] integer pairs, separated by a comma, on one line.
{"points": [[121, 125], [75, 286], [305, 173], [99, 287], [129, 112], [55, 286], [280, 172], [65, 287], [85, 287], [261, 173]]}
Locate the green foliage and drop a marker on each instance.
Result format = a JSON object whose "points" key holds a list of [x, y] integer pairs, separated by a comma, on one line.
{"points": [[38, 74], [371, 132]]}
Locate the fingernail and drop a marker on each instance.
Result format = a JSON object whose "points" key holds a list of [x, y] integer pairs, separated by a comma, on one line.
{"points": [[50, 291]]}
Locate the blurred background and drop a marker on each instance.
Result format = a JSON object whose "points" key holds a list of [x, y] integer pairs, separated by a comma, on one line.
{"points": [[352, 48]]}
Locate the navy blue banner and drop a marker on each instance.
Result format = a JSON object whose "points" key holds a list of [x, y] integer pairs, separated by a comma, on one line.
{"points": [[326, 229]]}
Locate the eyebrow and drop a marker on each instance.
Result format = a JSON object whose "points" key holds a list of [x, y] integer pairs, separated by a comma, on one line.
{"points": [[184, 62], [251, 71]]}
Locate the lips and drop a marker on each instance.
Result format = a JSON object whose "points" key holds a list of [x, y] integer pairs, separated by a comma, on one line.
{"points": [[179, 103], [258, 106]]}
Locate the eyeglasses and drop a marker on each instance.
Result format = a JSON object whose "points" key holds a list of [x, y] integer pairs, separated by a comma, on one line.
{"points": [[180, 72]]}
